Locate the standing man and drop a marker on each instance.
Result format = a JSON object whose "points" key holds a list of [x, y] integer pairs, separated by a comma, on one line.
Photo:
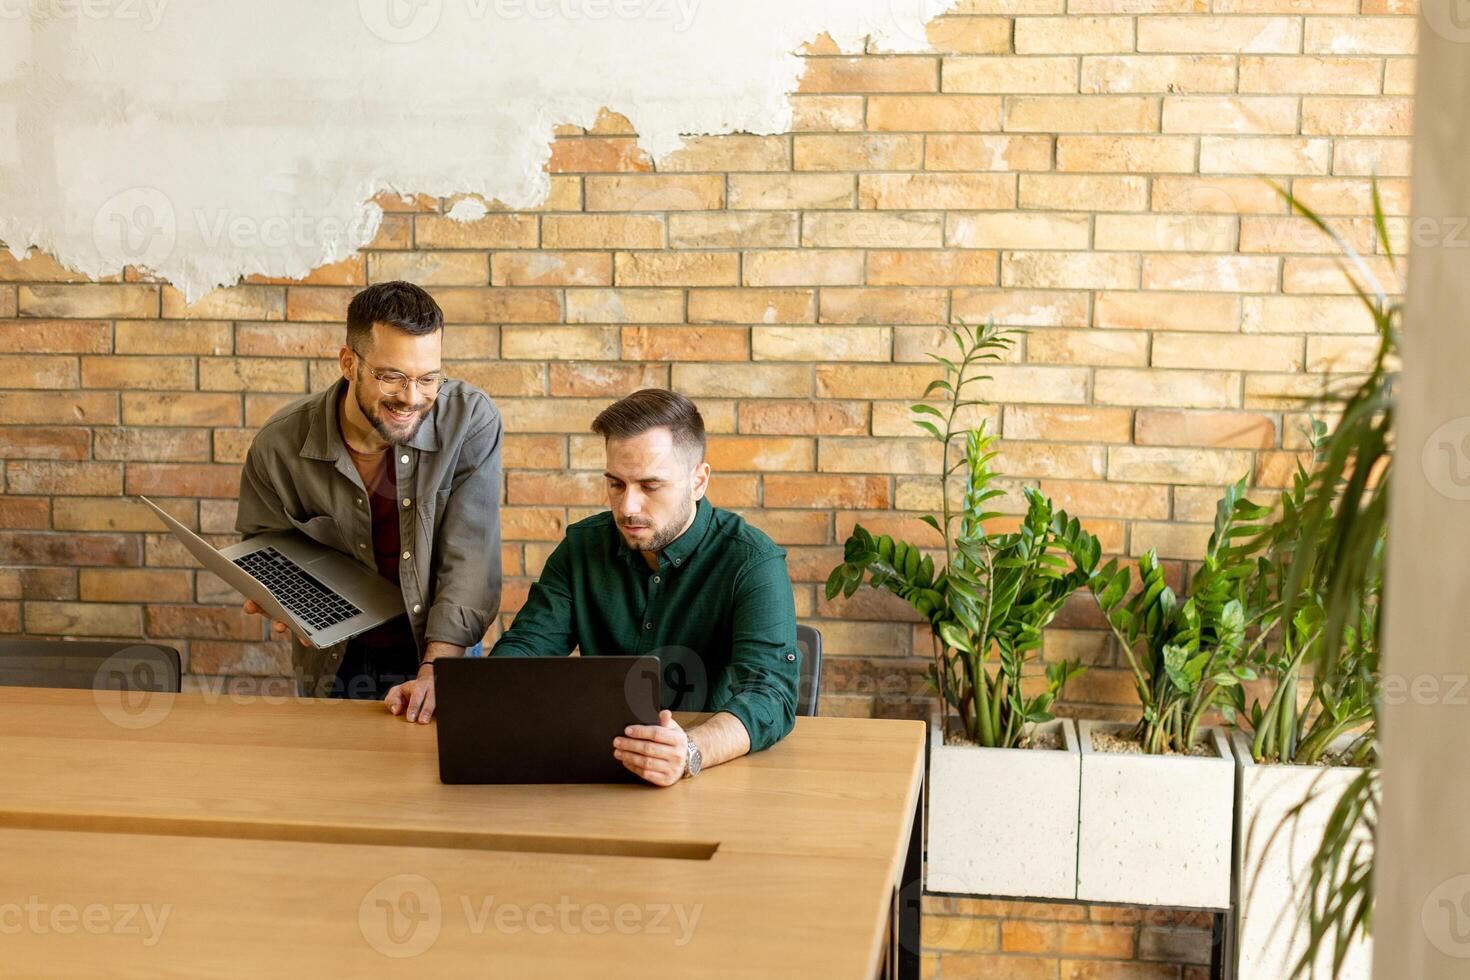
{"points": [[399, 468], [662, 572]]}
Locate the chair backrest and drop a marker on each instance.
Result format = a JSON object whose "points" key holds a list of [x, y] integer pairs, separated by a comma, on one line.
{"points": [[809, 639], [26, 662]]}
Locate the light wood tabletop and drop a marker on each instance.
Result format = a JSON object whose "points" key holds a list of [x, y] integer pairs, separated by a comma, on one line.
{"points": [[316, 835]]}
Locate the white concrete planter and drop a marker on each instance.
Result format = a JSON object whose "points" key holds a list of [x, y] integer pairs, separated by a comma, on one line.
{"points": [[1004, 821], [1155, 829], [1274, 864]]}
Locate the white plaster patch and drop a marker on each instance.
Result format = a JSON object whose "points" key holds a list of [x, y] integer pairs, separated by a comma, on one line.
{"points": [[210, 140], [468, 209]]}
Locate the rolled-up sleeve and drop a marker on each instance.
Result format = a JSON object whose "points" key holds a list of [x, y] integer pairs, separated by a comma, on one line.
{"points": [[467, 572], [765, 665]]}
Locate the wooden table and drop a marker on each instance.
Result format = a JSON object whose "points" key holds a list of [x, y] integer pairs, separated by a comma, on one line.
{"points": [[315, 836]]}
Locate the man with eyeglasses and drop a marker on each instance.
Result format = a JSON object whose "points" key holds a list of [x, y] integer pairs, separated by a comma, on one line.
{"points": [[398, 467]]}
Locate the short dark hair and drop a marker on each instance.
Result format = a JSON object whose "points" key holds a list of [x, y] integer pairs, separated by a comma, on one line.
{"points": [[654, 408], [398, 304]]}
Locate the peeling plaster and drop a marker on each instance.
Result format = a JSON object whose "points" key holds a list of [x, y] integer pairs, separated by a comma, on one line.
{"points": [[208, 140]]}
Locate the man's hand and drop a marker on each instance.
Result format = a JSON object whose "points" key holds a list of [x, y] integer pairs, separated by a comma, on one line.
{"points": [[417, 696], [656, 753], [278, 628]]}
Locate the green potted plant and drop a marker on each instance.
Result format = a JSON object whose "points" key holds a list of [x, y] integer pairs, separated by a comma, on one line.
{"points": [[1158, 796], [986, 607], [1308, 773]]}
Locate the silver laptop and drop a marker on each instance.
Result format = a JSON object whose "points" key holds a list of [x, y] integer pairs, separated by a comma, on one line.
{"points": [[319, 592]]}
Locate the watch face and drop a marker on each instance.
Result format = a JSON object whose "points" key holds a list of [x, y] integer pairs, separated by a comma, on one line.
{"points": [[694, 759]]}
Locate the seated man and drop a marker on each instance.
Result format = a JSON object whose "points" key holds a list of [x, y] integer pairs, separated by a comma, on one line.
{"points": [[665, 573]]}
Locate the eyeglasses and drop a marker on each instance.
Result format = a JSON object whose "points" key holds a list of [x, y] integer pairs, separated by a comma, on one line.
{"points": [[396, 382]]}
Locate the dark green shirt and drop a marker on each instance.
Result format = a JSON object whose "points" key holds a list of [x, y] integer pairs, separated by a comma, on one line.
{"points": [[718, 613]]}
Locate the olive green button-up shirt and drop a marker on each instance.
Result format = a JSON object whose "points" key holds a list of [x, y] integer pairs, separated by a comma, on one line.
{"points": [[718, 613]]}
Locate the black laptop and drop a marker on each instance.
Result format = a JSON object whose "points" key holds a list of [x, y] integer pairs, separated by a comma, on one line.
{"points": [[539, 719]]}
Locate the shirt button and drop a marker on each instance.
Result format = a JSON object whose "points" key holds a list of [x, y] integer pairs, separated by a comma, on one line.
{"points": [[789, 656], [407, 555], [656, 580], [676, 561], [417, 607], [362, 545], [403, 458], [359, 500], [648, 626], [407, 502]]}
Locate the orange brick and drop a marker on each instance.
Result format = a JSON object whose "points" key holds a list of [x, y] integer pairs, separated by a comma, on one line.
{"points": [[733, 151], [806, 191], [24, 513], [655, 192], [1227, 352], [587, 489], [1075, 192], [883, 305], [1357, 116], [224, 622], [743, 380], [148, 373], [46, 548], [934, 113], [932, 268], [430, 268], [1020, 308], [843, 418], [1081, 114], [1223, 273], [1111, 348], [180, 409], [826, 113], [804, 267], [494, 305], [1216, 195], [559, 343], [866, 74], [1070, 424], [58, 407], [583, 379], [551, 268], [54, 336], [752, 306], [162, 445], [135, 585], [1360, 35], [733, 229], [550, 414], [1121, 500], [1060, 270], [82, 619], [873, 229], [1009, 74], [812, 343], [1126, 154], [532, 452], [34, 476], [1158, 73], [491, 231], [1226, 35], [1166, 388], [33, 371], [234, 303], [1227, 430], [349, 272], [160, 337], [1330, 76], [918, 191], [678, 343], [572, 231], [191, 479], [37, 266], [1082, 939], [677, 269], [865, 151], [624, 305], [597, 155], [239, 659], [973, 151], [761, 453], [87, 301], [1142, 311], [395, 232], [1257, 114]]}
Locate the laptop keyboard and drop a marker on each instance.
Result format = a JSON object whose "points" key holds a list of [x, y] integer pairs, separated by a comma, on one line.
{"points": [[308, 599]]}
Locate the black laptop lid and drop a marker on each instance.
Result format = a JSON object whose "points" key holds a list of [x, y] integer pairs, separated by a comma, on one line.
{"points": [[539, 719]]}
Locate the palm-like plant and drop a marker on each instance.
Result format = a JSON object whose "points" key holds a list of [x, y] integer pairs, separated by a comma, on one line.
{"points": [[988, 604]]}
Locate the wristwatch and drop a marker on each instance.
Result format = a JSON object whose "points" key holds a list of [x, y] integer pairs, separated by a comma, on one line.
{"points": [[692, 761]]}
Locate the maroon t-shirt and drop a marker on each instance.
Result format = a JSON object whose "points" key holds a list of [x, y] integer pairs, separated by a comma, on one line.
{"points": [[376, 470]]}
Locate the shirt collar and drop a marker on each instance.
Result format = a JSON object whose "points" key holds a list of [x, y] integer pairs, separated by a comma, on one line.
{"points": [[678, 551], [324, 434]]}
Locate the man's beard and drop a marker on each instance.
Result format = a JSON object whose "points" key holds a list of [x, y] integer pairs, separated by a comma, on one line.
{"points": [[668, 533], [374, 414]]}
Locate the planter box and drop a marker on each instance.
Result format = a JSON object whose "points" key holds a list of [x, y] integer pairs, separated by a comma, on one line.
{"points": [[1004, 821], [1155, 829], [1274, 864]]}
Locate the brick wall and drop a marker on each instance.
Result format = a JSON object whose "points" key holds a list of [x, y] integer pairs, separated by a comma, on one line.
{"points": [[1091, 174]]}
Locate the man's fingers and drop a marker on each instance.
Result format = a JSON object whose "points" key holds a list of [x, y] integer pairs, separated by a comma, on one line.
{"points": [[655, 733], [395, 699], [415, 699], [427, 711], [251, 607], [649, 751]]}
